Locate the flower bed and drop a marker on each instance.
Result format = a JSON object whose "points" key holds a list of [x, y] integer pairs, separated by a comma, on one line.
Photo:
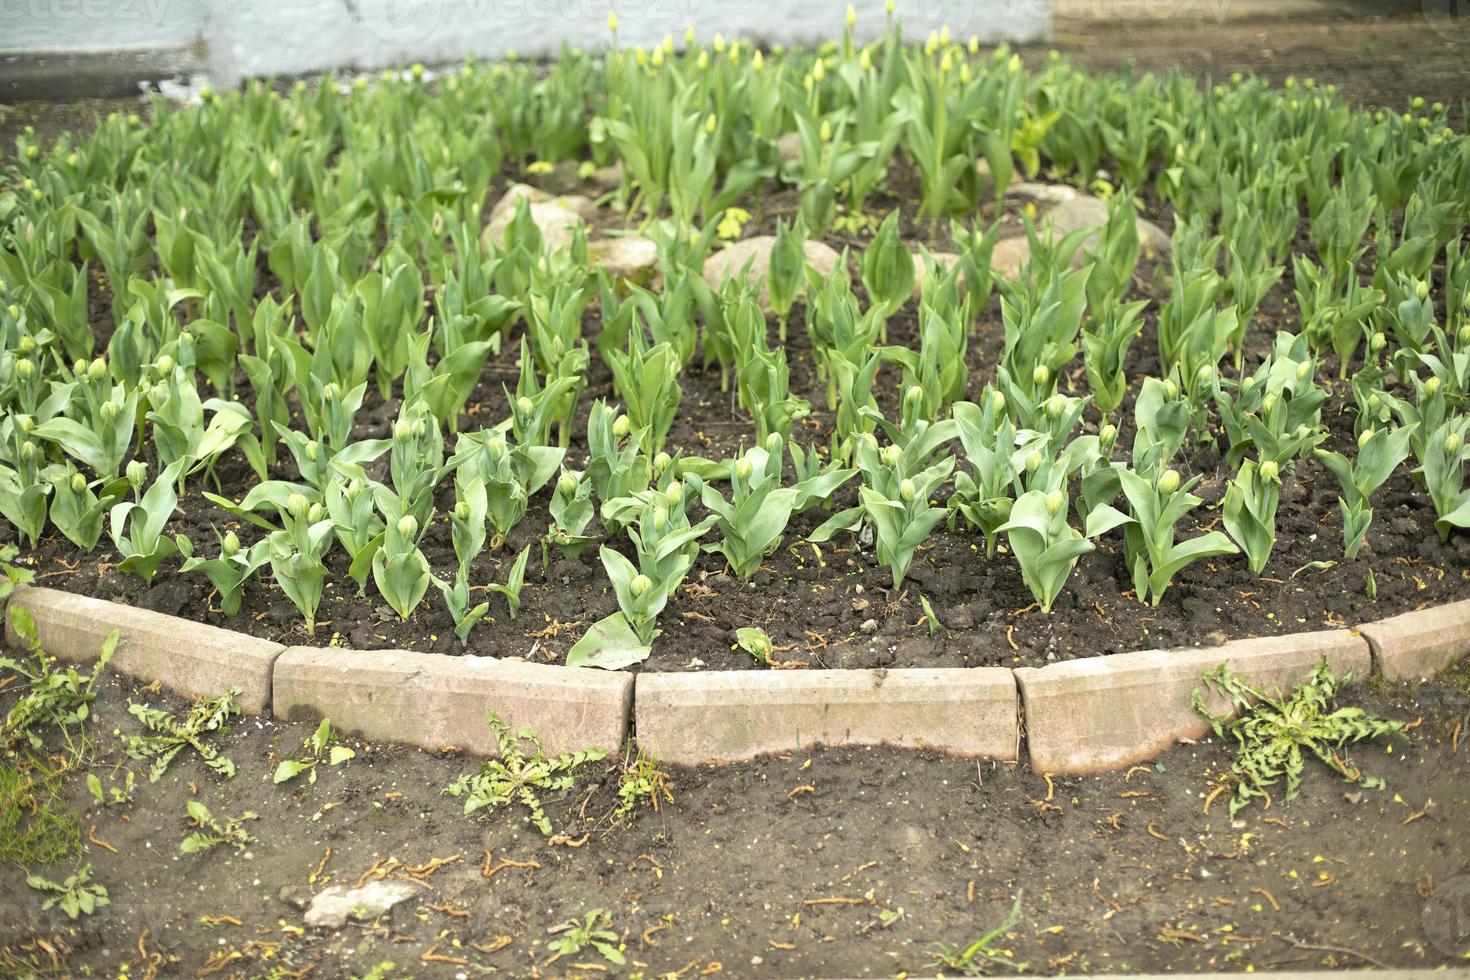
{"points": [[380, 398]]}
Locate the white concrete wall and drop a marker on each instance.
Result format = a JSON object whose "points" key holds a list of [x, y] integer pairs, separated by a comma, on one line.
{"points": [[269, 37], [100, 25]]}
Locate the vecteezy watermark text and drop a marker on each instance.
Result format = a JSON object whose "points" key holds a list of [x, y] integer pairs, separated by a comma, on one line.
{"points": [[1446, 917]]}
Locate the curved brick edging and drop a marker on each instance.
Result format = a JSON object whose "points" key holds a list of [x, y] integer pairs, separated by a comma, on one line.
{"points": [[1101, 713], [728, 716], [1079, 716], [435, 701], [191, 659], [1419, 644]]}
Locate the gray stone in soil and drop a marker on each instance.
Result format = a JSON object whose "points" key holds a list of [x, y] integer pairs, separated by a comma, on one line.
{"points": [[820, 257], [557, 217], [332, 907]]}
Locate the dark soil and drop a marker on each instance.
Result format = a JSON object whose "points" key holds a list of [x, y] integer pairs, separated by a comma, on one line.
{"points": [[850, 862], [839, 610]]}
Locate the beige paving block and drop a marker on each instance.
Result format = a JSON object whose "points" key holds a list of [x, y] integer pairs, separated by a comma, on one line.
{"points": [[726, 716], [433, 701], [188, 658], [1420, 644], [1100, 713]]}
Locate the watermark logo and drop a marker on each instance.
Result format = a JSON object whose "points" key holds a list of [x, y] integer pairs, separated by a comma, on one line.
{"points": [[1450, 19], [396, 21], [1446, 917]]}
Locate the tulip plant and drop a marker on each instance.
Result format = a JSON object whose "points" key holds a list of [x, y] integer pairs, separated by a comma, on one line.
{"points": [[1379, 454], [287, 304]]}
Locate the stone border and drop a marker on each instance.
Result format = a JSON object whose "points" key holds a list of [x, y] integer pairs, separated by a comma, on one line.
{"points": [[1101, 713], [434, 701], [1078, 716], [191, 659], [1420, 644], [732, 715]]}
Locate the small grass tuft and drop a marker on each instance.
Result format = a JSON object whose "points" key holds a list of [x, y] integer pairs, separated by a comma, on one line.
{"points": [[1274, 734], [517, 777], [169, 736], [36, 824], [642, 783], [980, 956]]}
